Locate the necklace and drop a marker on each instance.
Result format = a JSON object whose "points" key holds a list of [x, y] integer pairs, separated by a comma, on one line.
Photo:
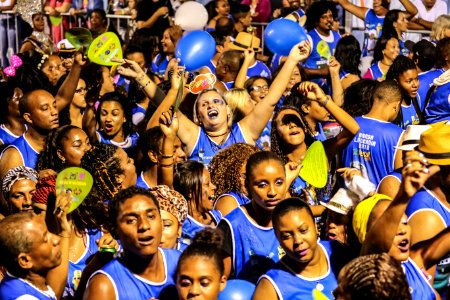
{"points": [[213, 136]]}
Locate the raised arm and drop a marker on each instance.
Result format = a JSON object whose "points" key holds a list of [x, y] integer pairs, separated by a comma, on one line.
{"points": [[411, 9], [350, 126], [416, 172], [169, 126], [67, 90], [253, 124], [358, 11], [336, 85], [249, 55], [162, 11]]}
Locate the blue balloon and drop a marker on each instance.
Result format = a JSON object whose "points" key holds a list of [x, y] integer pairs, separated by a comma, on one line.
{"points": [[237, 289], [195, 49], [282, 34]]}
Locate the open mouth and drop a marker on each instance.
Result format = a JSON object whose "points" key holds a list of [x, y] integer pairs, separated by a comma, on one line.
{"points": [[108, 127], [332, 236], [145, 241], [213, 114], [55, 121], [404, 245], [212, 198], [302, 253]]}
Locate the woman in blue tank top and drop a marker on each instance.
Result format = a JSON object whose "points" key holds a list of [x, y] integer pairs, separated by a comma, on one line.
{"points": [[292, 133], [404, 71], [386, 50], [228, 175], [308, 266], [193, 181], [250, 245]]}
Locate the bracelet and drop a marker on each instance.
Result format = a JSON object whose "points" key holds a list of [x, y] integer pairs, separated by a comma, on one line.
{"points": [[165, 156], [145, 85], [324, 102]]}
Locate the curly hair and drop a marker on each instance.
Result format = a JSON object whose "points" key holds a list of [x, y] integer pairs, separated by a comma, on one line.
{"points": [[101, 161], [120, 198], [48, 158], [226, 167], [277, 144], [374, 276], [316, 10]]}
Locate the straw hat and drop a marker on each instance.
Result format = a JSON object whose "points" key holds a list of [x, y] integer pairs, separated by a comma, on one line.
{"points": [[412, 136], [342, 202], [434, 144], [243, 40]]}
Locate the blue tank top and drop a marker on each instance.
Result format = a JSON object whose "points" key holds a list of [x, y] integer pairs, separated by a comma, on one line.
{"points": [[140, 182], [255, 248], [397, 174], [12, 288], [372, 32], [438, 109], [263, 142], [372, 150], [259, 69], [131, 286], [424, 200], [205, 148], [418, 284], [403, 50], [240, 198], [291, 286], [138, 113], [211, 67], [409, 115], [426, 81], [28, 154], [6, 136], [160, 69], [191, 226], [275, 62], [76, 268], [375, 72], [128, 145]]}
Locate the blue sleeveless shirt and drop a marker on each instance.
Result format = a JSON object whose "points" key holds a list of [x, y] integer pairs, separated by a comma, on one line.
{"points": [[374, 72], [372, 32], [131, 286], [160, 69], [240, 198], [259, 69], [205, 148], [128, 145], [140, 182], [28, 154], [438, 109], [191, 226], [6, 136], [255, 248], [426, 81], [418, 284], [76, 268], [12, 288], [372, 150], [410, 116], [291, 286]]}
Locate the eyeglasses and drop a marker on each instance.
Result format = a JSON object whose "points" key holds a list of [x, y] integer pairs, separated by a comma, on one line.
{"points": [[257, 88], [80, 90]]}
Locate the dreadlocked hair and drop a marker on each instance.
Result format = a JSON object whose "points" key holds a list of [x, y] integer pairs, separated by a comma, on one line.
{"points": [[225, 167], [277, 144], [48, 159], [375, 276], [104, 166]]}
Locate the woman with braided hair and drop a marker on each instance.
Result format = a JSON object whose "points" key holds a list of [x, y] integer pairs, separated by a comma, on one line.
{"points": [[372, 277], [64, 147], [111, 169], [228, 175]]}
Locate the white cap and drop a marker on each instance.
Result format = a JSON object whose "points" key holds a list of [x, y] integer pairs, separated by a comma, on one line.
{"points": [[411, 136]]}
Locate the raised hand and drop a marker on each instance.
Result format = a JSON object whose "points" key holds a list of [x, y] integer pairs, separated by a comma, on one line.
{"points": [[301, 51], [312, 90], [129, 68], [168, 122]]}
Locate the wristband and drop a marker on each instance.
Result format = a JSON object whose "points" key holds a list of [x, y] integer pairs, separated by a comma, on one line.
{"points": [[324, 102]]}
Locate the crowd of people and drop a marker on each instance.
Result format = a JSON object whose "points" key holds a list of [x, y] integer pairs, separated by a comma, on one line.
{"points": [[203, 178]]}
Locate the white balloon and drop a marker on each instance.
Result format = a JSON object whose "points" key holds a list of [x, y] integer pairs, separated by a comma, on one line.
{"points": [[191, 15]]}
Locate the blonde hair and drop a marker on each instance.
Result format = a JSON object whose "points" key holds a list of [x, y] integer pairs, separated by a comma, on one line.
{"points": [[440, 25], [195, 112], [236, 99]]}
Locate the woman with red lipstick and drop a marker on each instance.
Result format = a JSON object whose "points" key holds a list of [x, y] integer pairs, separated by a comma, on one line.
{"points": [[404, 71], [250, 245], [308, 265], [193, 181], [115, 123]]}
